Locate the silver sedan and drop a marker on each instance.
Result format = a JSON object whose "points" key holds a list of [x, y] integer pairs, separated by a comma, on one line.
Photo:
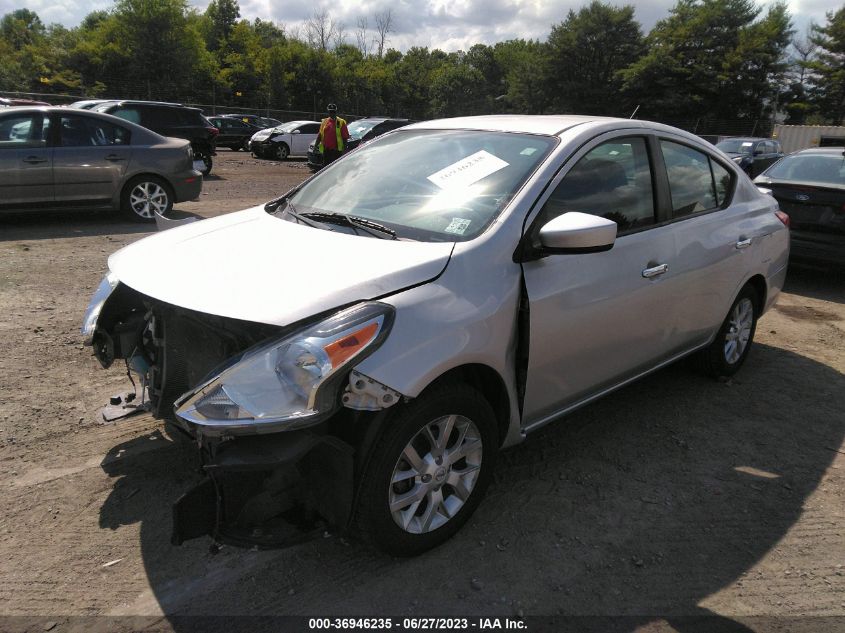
{"points": [[60, 158], [376, 336]]}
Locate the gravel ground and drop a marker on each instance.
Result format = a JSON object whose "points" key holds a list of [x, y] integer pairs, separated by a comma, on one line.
{"points": [[676, 496]]}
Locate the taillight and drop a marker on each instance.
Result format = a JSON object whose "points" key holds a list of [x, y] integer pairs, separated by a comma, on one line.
{"points": [[213, 130], [783, 217]]}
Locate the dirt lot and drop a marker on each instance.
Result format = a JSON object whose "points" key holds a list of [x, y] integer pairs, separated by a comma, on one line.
{"points": [[677, 496]]}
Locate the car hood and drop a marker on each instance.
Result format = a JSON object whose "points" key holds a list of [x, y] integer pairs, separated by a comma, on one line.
{"points": [[253, 266]]}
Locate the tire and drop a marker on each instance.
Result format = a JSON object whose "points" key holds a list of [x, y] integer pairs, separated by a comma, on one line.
{"points": [[282, 151], [234, 148], [208, 165], [728, 351], [431, 500], [144, 196]]}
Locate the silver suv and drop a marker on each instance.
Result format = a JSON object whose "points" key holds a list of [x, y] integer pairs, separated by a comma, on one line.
{"points": [[356, 352]]}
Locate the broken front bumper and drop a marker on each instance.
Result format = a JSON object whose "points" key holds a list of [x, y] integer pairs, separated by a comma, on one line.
{"points": [[271, 491]]}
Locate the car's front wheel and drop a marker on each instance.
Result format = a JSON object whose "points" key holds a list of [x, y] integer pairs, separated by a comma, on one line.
{"points": [[145, 196], [428, 471], [726, 354], [282, 151]]}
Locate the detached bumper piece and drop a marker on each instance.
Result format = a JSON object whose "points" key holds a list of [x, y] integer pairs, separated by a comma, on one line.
{"points": [[269, 491]]}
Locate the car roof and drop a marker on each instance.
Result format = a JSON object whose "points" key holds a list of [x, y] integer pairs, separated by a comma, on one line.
{"points": [[298, 122], [748, 139], [821, 150], [548, 124], [136, 129], [152, 103], [379, 118]]}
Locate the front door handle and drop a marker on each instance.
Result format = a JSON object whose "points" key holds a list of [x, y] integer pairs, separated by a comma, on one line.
{"points": [[114, 157], [32, 160], [743, 243], [654, 271]]}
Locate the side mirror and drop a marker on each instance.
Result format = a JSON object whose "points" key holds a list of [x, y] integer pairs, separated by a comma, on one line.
{"points": [[575, 232]]}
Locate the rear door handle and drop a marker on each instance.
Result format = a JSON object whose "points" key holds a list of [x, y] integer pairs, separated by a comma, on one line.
{"points": [[654, 271], [34, 159], [743, 243], [114, 157]]}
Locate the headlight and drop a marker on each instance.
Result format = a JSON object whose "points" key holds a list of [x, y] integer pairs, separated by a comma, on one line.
{"points": [[291, 382], [738, 159], [103, 291], [260, 136]]}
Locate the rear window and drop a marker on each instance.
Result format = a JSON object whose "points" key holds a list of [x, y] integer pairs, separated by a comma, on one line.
{"points": [[696, 183], [810, 168]]}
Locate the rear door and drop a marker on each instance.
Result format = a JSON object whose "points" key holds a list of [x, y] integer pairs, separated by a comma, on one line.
{"points": [[26, 160], [598, 319], [717, 240], [90, 159]]}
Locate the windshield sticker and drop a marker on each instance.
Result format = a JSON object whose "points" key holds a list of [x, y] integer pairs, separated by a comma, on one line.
{"points": [[528, 151], [747, 144], [468, 170], [458, 226]]}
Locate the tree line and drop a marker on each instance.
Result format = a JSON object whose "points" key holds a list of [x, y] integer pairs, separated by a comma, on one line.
{"points": [[716, 59]]}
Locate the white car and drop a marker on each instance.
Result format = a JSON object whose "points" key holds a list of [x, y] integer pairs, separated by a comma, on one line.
{"points": [[359, 350], [288, 139]]}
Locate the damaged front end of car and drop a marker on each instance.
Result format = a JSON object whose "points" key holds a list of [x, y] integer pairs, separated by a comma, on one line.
{"points": [[277, 413]]}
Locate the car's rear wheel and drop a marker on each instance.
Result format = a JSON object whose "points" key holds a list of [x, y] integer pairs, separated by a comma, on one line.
{"points": [[282, 151], [145, 196], [726, 354], [428, 471]]}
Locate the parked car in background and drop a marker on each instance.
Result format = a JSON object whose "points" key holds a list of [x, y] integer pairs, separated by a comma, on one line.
{"points": [[753, 155], [382, 330], [260, 122], [288, 139], [810, 187], [61, 158], [360, 131], [88, 104], [234, 133], [170, 119], [10, 102]]}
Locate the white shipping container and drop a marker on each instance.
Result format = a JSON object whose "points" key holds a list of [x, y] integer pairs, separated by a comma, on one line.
{"points": [[795, 137]]}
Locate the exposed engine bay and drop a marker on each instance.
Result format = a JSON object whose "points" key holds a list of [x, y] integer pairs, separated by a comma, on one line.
{"points": [[272, 489]]}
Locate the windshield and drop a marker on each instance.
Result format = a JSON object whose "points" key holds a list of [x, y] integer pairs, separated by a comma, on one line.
{"points": [[430, 185], [732, 146], [357, 129], [823, 168], [286, 127]]}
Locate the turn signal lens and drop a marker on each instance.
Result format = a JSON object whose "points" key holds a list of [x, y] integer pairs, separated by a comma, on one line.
{"points": [[345, 348], [783, 217]]}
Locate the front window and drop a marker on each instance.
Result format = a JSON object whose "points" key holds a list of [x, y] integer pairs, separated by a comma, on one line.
{"points": [[822, 168], [613, 181], [430, 185]]}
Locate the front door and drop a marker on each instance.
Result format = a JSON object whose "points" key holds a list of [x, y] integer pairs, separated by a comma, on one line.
{"points": [[597, 319]]}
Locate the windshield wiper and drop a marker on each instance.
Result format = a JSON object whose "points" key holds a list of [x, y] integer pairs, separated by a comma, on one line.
{"points": [[353, 221], [303, 217]]}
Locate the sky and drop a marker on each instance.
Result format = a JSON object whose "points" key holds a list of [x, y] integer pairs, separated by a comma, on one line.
{"points": [[446, 24]]}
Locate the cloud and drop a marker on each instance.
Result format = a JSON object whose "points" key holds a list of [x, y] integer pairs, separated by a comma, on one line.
{"points": [[446, 24]]}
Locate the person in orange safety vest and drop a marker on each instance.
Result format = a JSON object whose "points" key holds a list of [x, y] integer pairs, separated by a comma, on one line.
{"points": [[331, 140]]}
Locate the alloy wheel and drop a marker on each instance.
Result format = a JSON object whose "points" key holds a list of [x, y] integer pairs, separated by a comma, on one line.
{"points": [[148, 198], [739, 330], [435, 474]]}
